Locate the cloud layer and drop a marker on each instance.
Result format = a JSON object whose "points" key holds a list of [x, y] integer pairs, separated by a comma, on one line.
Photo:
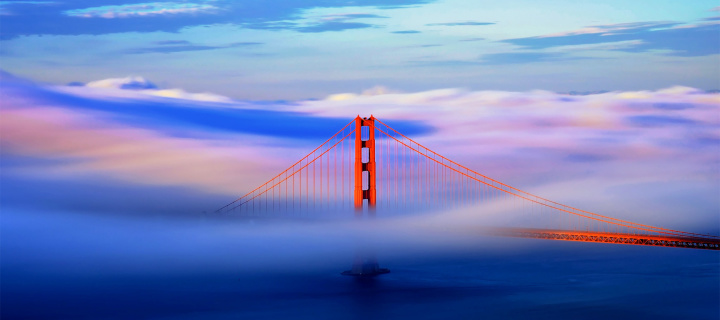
{"points": [[570, 148], [500, 132]]}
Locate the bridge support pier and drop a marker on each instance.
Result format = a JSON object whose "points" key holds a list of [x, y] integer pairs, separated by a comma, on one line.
{"points": [[365, 264]]}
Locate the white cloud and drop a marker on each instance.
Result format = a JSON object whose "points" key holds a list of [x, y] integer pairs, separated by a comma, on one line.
{"points": [[182, 94], [617, 45], [615, 127], [608, 29], [4, 11], [122, 83], [142, 10], [137, 87]]}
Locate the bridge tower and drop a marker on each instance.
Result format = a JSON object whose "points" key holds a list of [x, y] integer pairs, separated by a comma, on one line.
{"points": [[365, 264], [365, 167]]}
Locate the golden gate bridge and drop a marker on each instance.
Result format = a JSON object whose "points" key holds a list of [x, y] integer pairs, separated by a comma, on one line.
{"points": [[367, 166]]}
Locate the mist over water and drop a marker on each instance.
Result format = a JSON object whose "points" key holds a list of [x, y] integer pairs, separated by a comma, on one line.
{"points": [[66, 265]]}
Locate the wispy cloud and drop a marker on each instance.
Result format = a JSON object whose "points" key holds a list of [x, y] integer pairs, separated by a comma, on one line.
{"points": [[142, 10], [620, 45], [406, 32], [333, 26], [610, 29], [526, 57], [5, 11], [443, 63], [330, 23], [681, 39], [75, 17], [184, 46], [473, 39], [425, 46], [350, 16], [172, 42], [465, 23]]}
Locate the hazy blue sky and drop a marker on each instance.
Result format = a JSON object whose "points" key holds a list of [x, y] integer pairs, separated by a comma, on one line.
{"points": [[313, 48]]}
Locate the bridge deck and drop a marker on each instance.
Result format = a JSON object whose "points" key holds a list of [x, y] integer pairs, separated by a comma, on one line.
{"points": [[603, 237]]}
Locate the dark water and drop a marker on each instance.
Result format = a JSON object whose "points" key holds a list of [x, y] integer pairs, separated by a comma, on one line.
{"points": [[103, 269]]}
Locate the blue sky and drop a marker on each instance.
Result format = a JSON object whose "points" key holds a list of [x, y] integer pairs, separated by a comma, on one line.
{"points": [[273, 50]]}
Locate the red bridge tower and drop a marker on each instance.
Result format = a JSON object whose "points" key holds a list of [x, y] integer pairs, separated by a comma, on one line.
{"points": [[365, 164]]}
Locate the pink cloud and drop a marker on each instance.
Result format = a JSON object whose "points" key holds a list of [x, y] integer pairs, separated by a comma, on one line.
{"points": [[96, 145], [502, 127]]}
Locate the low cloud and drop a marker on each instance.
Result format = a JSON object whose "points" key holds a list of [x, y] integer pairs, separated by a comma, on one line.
{"points": [[126, 153], [569, 148], [138, 136], [623, 128]]}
